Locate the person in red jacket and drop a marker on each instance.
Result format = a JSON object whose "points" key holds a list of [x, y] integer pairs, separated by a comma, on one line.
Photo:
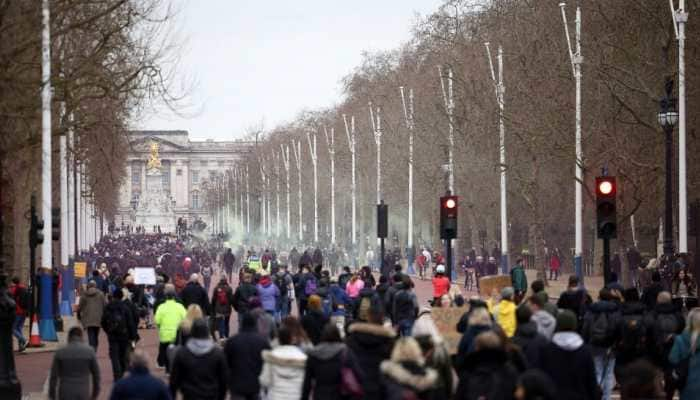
{"points": [[441, 284], [20, 295]]}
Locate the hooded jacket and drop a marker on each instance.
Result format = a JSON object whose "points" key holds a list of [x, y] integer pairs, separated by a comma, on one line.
{"points": [[401, 380], [663, 323], [139, 384], [199, 371], [531, 342], [268, 292], [91, 306], [371, 344], [612, 311], [322, 374], [283, 372], [73, 367], [569, 362], [487, 374], [545, 322], [504, 313]]}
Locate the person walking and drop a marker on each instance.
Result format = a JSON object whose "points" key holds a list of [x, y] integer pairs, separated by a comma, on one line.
{"points": [[75, 374], [269, 294], [664, 322], [244, 293], [441, 284], [282, 375], [323, 374], [139, 384], [487, 372], [518, 280], [283, 281], [118, 324], [504, 312], [601, 329], [528, 338], [168, 318], [90, 310], [22, 297], [684, 355], [199, 369], [404, 308], [228, 260], [243, 354], [222, 302], [405, 375], [194, 293], [314, 320]]}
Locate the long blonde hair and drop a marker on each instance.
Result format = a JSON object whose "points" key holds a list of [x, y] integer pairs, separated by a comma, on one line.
{"points": [[193, 312], [694, 328]]}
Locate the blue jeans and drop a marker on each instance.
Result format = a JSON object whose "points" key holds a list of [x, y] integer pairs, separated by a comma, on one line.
{"points": [[223, 326], [604, 368], [405, 327], [17, 328]]}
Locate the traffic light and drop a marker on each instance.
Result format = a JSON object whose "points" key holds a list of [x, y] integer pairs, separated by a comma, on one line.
{"points": [[56, 224], [382, 220], [36, 237], [448, 217], [606, 209]]}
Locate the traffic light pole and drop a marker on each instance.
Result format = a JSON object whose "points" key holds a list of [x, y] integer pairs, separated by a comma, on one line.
{"points": [[448, 259], [606, 261], [32, 261]]}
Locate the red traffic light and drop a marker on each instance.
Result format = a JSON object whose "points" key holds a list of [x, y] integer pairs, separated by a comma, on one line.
{"points": [[605, 186], [450, 203]]}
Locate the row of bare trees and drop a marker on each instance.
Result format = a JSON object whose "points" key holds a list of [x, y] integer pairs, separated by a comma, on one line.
{"points": [[112, 60], [629, 49]]}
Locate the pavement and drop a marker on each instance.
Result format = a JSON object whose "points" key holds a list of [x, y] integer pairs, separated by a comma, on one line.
{"points": [[33, 365]]}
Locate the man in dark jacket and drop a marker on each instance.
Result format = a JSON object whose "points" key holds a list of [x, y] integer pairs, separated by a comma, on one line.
{"points": [[118, 324], [404, 308], [221, 302], [663, 323], [487, 372], [389, 297], [650, 293], [229, 260], [139, 384], [194, 293], [371, 343], [90, 309], [574, 299], [244, 293], [569, 362], [199, 369], [72, 368], [602, 329], [530, 341], [244, 358]]}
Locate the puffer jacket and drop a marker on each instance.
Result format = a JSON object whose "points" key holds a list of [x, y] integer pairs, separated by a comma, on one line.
{"points": [[372, 344], [504, 313], [283, 372], [407, 380], [91, 305], [269, 293], [323, 367]]}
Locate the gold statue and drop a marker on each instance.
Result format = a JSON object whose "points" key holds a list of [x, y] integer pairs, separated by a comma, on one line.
{"points": [[154, 160]]}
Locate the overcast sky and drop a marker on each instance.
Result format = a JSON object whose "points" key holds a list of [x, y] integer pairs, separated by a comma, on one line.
{"points": [[257, 60]]}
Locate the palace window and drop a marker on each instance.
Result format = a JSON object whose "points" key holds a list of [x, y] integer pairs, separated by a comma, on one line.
{"points": [[195, 177], [195, 200]]}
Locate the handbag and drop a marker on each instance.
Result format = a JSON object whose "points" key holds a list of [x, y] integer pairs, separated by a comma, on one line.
{"points": [[349, 384]]}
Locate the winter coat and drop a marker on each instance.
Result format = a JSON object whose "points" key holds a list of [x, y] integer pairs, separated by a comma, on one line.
{"points": [[407, 380], [569, 362], [322, 374], [139, 384], [283, 372], [487, 374], [518, 279], [441, 286], [16, 292], [545, 322], [72, 368], [650, 294], [244, 292], [193, 293], [353, 288], [244, 358], [91, 306], [371, 344], [680, 351], [313, 323], [168, 318], [119, 306], [663, 323], [405, 305], [531, 342], [504, 313], [612, 310], [574, 300], [199, 371], [466, 343], [632, 342], [269, 293], [222, 308]]}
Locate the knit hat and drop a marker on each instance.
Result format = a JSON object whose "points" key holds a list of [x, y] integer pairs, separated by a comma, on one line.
{"points": [[566, 321]]}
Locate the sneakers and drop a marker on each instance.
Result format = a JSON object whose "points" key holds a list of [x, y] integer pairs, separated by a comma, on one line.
{"points": [[22, 346]]}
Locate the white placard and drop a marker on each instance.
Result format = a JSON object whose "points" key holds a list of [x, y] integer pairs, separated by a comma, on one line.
{"points": [[144, 276]]}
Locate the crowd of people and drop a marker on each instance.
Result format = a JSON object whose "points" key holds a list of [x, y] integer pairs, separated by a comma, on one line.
{"points": [[304, 332]]}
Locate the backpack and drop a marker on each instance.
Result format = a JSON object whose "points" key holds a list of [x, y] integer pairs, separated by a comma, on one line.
{"points": [[664, 333], [281, 283], [114, 321], [222, 297], [633, 335], [310, 286], [600, 331]]}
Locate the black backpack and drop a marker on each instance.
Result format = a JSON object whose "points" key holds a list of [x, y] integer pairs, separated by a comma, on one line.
{"points": [[664, 333], [281, 283], [114, 321], [633, 335], [600, 330]]}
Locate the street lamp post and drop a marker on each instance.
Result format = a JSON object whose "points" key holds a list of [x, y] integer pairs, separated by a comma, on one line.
{"points": [[668, 118]]}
